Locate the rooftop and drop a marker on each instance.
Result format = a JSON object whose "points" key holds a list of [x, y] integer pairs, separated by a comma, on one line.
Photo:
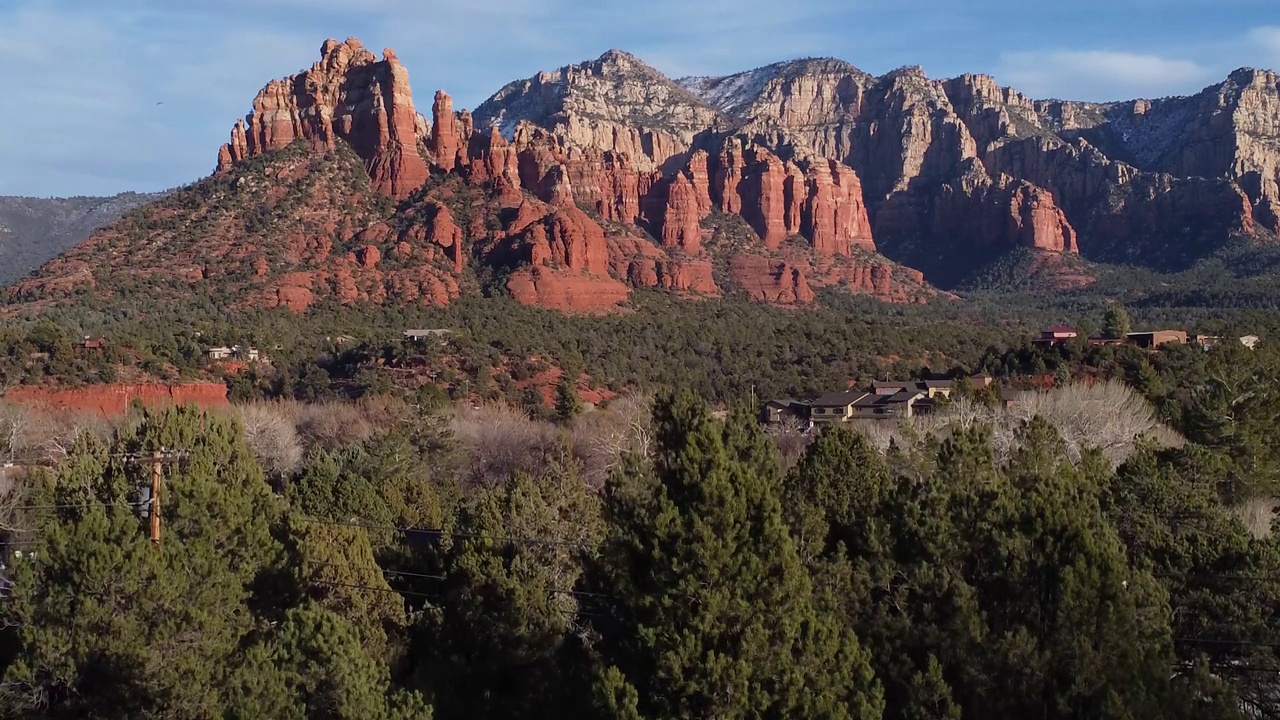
{"points": [[838, 399]]}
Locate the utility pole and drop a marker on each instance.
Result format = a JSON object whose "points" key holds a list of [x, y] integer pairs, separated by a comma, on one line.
{"points": [[151, 500], [157, 461]]}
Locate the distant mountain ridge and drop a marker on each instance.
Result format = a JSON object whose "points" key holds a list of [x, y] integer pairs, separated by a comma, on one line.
{"points": [[571, 187], [33, 230]]}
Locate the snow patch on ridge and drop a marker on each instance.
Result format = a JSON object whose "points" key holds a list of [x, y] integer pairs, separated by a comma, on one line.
{"points": [[732, 93]]}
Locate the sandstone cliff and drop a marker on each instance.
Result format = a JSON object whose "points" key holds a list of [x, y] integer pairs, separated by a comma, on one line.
{"points": [[963, 166], [615, 103], [347, 95], [114, 400]]}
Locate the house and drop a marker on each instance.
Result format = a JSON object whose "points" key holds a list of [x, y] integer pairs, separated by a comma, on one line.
{"points": [[932, 389], [903, 403], [221, 352], [415, 335], [91, 344], [246, 353], [834, 407], [1156, 338], [1097, 341], [1056, 335], [777, 411], [1208, 341]]}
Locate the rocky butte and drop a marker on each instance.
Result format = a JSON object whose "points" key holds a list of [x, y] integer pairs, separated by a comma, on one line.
{"points": [[572, 187]]}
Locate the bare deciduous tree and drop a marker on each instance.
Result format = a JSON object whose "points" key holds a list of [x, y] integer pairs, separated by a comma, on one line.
{"points": [[602, 439], [15, 423], [1108, 416], [271, 434], [791, 440], [499, 441]]}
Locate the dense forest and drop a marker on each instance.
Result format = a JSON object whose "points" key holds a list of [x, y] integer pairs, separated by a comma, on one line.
{"points": [[426, 567]]}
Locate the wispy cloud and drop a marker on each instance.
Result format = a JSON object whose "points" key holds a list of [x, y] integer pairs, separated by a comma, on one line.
{"points": [[1100, 74], [1267, 39], [86, 77]]}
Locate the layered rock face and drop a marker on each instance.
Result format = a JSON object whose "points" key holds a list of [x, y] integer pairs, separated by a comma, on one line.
{"points": [[965, 164], [115, 400], [615, 103], [348, 95]]}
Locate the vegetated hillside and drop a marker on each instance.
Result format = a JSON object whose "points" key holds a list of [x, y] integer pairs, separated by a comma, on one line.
{"points": [[33, 230]]}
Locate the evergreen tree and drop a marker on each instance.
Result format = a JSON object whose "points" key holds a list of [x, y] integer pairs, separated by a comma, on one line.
{"points": [[111, 625], [502, 641], [1115, 321], [568, 405], [314, 666], [718, 616]]}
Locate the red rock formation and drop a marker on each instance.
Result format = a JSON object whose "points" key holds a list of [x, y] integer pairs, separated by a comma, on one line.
{"points": [[446, 141], [1039, 223], [446, 234], [771, 281], [115, 400], [566, 291], [645, 265], [980, 213], [728, 175], [496, 159], [835, 217], [368, 256], [568, 238], [681, 218], [764, 196], [701, 180], [348, 95]]}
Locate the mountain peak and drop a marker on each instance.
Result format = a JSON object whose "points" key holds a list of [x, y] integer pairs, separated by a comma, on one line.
{"points": [[614, 55]]}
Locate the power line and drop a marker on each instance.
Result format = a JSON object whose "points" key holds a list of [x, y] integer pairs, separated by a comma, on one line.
{"points": [[447, 533], [69, 506], [337, 583], [385, 571]]}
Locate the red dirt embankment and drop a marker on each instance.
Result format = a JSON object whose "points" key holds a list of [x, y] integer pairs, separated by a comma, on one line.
{"points": [[114, 400]]}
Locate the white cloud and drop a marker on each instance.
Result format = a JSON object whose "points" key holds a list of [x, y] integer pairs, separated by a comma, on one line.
{"points": [[1267, 40], [1100, 74]]}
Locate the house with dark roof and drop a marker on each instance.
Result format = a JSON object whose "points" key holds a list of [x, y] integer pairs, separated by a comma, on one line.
{"points": [[782, 410], [883, 406], [834, 407]]}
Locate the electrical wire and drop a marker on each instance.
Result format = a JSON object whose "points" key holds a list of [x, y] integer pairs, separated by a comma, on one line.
{"points": [[447, 533]]}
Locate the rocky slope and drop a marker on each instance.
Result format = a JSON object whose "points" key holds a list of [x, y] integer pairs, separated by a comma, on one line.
{"points": [[33, 230], [335, 188], [615, 103], [955, 166]]}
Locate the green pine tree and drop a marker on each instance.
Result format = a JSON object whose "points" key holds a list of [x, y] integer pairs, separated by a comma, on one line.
{"points": [[721, 617], [568, 405], [1115, 321], [110, 624]]}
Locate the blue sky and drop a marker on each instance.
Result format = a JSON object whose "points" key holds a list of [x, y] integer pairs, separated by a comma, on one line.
{"points": [[81, 80]]}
